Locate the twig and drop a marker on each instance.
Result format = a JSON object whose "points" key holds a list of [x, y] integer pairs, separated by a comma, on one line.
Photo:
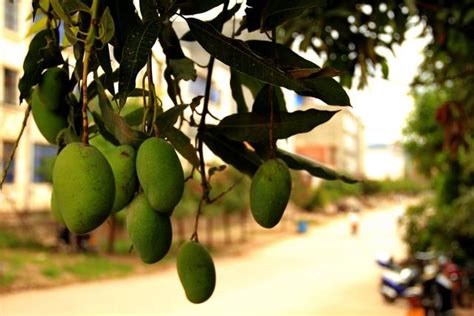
{"points": [[85, 69], [191, 175], [15, 146], [85, 100], [200, 144], [195, 236], [226, 191], [270, 132]]}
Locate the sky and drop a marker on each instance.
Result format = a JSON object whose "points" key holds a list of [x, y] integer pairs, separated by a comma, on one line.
{"points": [[384, 105]]}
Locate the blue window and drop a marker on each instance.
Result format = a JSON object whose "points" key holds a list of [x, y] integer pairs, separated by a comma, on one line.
{"points": [[44, 156], [6, 153]]}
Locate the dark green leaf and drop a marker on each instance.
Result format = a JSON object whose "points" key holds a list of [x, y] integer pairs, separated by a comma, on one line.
{"points": [[237, 92], [327, 90], [237, 55], [43, 53], [59, 11], [139, 92], [67, 136], [183, 145], [254, 85], [268, 97], [306, 73], [71, 34], [217, 21], [268, 102], [35, 4], [173, 87], [253, 18], [255, 127], [148, 9], [298, 162], [167, 119], [100, 125], [126, 20], [321, 87], [106, 27], [92, 88], [278, 11], [115, 124], [231, 152], [103, 56], [190, 7], [135, 54], [72, 6], [135, 117], [169, 41], [182, 69]]}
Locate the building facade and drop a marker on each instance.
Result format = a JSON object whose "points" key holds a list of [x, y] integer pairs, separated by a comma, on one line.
{"points": [[26, 186], [386, 161], [338, 143]]}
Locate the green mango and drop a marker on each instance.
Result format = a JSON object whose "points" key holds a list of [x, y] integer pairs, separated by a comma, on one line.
{"points": [[149, 231], [49, 123], [83, 183], [53, 87], [122, 160], [160, 174], [102, 144], [269, 192], [55, 209], [196, 271]]}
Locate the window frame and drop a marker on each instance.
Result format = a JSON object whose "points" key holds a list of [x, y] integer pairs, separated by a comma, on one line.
{"points": [[5, 156], [11, 14], [36, 161], [10, 93]]}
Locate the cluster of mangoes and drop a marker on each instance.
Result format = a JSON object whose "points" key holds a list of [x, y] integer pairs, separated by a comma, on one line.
{"points": [[93, 181]]}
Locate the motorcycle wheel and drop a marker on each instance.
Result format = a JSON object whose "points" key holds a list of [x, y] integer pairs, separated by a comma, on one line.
{"points": [[389, 299]]}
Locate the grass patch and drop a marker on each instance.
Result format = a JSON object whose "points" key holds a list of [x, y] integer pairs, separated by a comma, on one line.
{"points": [[121, 246], [93, 267], [7, 279], [13, 241], [51, 272], [14, 259]]}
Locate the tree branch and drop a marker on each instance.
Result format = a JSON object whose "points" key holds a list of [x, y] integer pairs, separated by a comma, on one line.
{"points": [[15, 146]]}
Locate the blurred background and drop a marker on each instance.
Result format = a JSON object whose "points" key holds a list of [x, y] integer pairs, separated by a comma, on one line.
{"points": [[341, 249]]}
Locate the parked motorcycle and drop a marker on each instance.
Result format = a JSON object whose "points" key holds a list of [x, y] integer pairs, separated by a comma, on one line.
{"points": [[428, 282], [396, 281]]}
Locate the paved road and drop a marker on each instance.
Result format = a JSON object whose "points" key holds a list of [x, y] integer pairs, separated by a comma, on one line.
{"points": [[325, 272]]}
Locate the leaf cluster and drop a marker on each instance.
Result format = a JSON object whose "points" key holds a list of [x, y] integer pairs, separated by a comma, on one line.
{"points": [[112, 42]]}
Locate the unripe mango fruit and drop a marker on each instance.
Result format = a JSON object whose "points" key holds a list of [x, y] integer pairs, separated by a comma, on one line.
{"points": [[55, 209], [269, 192], [160, 174], [122, 161], [84, 188], [49, 123], [53, 87], [149, 231], [196, 271]]}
